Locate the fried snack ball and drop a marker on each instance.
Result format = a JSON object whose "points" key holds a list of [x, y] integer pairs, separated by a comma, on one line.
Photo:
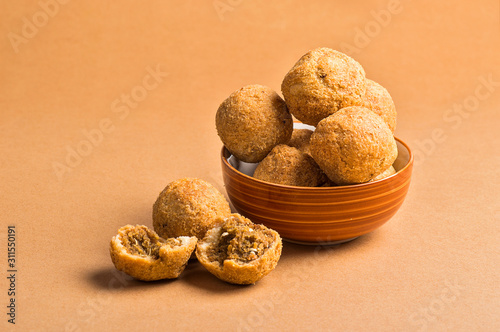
{"points": [[142, 254], [300, 140], [322, 82], [290, 166], [239, 251], [188, 207], [353, 145], [253, 120], [388, 172], [378, 100]]}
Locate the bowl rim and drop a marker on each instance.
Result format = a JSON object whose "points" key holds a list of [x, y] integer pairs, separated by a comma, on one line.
{"points": [[310, 189]]}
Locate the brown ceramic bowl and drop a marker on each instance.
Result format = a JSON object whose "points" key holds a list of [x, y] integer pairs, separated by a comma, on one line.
{"points": [[326, 215]]}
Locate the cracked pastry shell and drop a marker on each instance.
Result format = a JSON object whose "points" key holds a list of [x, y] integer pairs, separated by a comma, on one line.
{"points": [[234, 271], [167, 262]]}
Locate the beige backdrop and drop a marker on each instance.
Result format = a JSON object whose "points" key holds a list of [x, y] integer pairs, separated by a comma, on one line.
{"points": [[103, 104]]}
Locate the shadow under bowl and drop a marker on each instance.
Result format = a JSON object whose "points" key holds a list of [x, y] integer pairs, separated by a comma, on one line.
{"points": [[312, 215]]}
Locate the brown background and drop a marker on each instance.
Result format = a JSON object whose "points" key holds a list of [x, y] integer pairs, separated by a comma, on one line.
{"points": [[434, 266]]}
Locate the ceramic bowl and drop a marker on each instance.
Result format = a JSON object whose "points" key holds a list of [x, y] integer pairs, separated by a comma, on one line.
{"points": [[326, 215]]}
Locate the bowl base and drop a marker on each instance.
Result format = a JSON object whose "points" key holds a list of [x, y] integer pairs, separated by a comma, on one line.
{"points": [[320, 243]]}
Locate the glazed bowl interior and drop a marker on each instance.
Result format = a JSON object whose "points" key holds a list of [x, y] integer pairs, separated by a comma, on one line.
{"points": [[312, 215]]}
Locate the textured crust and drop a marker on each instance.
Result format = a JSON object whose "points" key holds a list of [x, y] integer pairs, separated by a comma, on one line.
{"points": [[236, 272], [173, 256], [188, 207], [290, 166], [301, 140], [251, 121], [353, 145], [322, 82], [388, 172], [378, 100]]}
